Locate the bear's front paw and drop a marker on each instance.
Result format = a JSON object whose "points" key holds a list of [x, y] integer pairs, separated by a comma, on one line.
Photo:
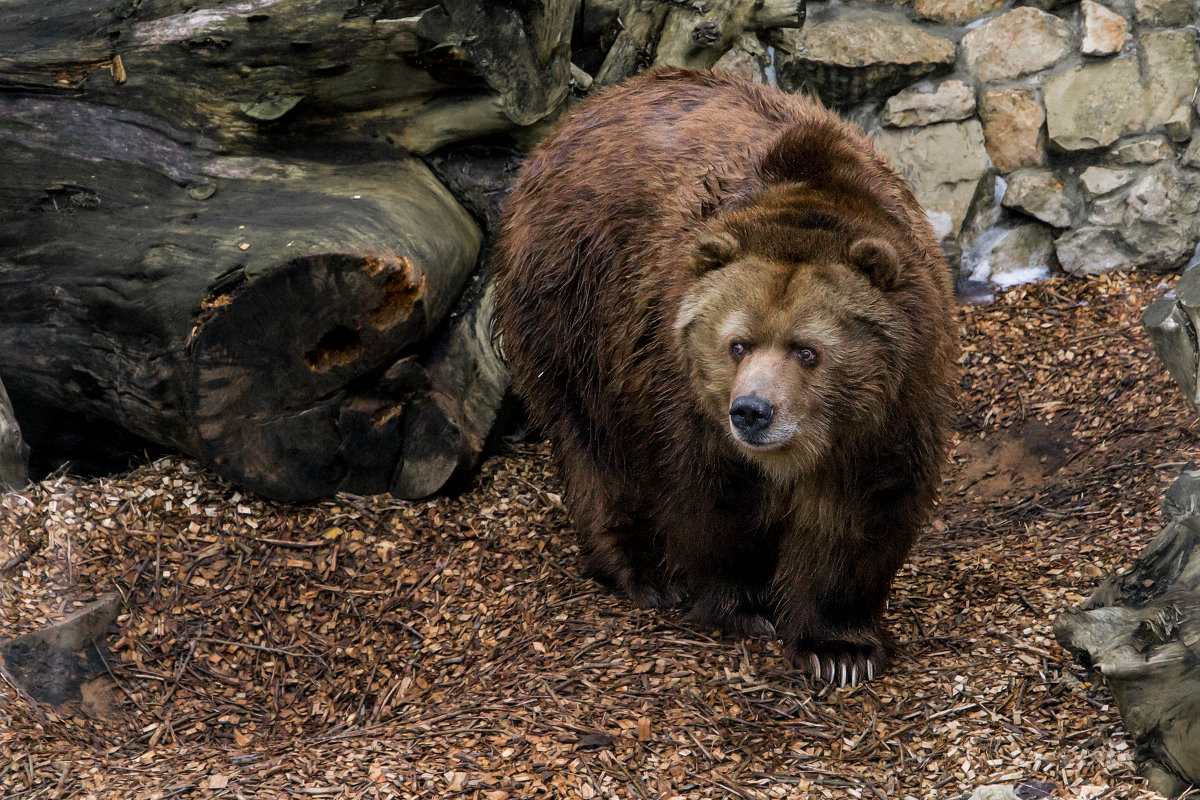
{"points": [[838, 662]]}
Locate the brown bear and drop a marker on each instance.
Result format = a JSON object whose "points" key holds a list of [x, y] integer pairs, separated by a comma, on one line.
{"points": [[733, 322]]}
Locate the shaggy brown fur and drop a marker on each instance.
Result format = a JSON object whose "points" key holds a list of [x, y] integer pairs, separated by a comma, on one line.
{"points": [[685, 242]]}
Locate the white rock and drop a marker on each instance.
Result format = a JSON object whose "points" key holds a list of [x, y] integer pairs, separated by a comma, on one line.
{"points": [[1147, 150], [1095, 104], [1104, 32], [1022, 41], [1041, 194], [1173, 70], [1102, 180], [1022, 255], [946, 102], [1091, 251], [1179, 124], [1164, 13]]}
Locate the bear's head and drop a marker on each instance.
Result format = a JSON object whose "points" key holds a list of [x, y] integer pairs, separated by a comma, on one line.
{"points": [[794, 339]]}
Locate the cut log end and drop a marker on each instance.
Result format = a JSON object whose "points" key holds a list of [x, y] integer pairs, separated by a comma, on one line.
{"points": [[273, 368]]}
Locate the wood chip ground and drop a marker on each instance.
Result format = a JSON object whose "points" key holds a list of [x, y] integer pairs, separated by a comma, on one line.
{"points": [[368, 647]]}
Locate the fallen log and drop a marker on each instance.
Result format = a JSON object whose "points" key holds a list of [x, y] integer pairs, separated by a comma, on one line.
{"points": [[229, 307], [397, 74], [217, 240]]}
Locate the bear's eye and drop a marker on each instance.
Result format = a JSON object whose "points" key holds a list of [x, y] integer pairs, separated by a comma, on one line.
{"points": [[806, 356], [739, 349]]}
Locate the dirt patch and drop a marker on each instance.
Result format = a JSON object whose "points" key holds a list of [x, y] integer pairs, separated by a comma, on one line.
{"points": [[999, 462]]}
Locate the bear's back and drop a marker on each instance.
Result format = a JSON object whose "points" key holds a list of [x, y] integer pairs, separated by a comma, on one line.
{"points": [[648, 158]]}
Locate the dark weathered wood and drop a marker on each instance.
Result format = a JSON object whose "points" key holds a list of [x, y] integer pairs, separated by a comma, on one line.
{"points": [[226, 306], [1139, 633], [14, 453], [217, 241], [407, 74], [51, 663]]}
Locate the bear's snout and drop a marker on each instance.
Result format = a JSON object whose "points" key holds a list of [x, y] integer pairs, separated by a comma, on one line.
{"points": [[751, 415]]}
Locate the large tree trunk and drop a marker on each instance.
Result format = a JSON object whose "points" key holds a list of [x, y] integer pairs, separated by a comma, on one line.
{"points": [[217, 241], [224, 306], [259, 74]]}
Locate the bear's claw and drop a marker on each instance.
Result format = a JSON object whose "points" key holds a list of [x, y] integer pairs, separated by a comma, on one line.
{"points": [[838, 663]]}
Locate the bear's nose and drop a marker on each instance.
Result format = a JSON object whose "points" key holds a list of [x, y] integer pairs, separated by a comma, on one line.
{"points": [[751, 414]]}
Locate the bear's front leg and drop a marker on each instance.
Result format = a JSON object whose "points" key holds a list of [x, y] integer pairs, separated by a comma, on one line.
{"points": [[832, 586]]}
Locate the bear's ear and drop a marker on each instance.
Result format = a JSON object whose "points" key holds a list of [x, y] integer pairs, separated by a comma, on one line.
{"points": [[877, 259], [714, 250]]}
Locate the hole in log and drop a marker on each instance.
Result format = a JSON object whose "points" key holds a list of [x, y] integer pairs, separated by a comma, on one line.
{"points": [[336, 348], [399, 296], [67, 199]]}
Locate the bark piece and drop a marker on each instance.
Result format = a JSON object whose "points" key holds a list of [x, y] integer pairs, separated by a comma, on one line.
{"points": [[14, 453], [50, 664], [447, 428]]}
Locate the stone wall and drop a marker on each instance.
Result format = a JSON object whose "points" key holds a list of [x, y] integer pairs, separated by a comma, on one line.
{"points": [[1038, 138]]}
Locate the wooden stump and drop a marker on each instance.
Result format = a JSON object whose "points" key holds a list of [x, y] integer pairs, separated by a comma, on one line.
{"points": [[1172, 323]]}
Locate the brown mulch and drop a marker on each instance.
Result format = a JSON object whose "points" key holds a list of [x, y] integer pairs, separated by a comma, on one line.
{"points": [[370, 647]]}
